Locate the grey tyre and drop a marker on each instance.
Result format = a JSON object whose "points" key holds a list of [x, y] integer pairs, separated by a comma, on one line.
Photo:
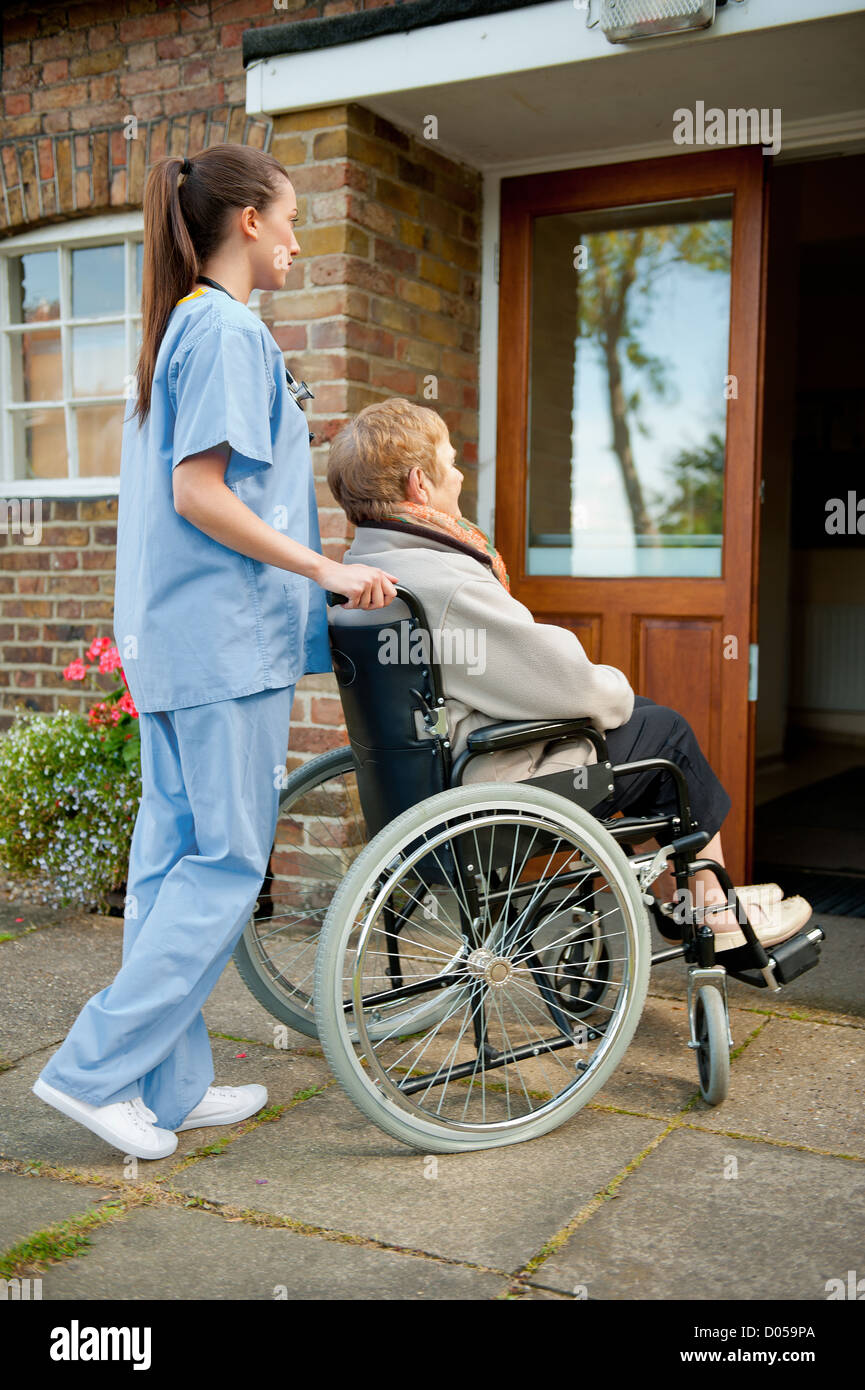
{"points": [[713, 1045]]}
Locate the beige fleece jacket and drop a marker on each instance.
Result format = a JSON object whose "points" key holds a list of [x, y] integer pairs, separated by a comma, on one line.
{"points": [[496, 662]]}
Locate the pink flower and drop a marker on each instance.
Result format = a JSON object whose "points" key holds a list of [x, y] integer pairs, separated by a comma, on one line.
{"points": [[109, 660], [98, 713], [97, 646], [127, 704], [76, 670]]}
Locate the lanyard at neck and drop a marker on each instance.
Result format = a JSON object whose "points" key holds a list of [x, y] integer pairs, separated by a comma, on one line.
{"points": [[206, 280], [299, 390]]}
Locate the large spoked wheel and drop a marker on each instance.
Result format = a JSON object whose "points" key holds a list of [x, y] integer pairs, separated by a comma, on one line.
{"points": [[516, 919], [319, 833], [713, 1044]]}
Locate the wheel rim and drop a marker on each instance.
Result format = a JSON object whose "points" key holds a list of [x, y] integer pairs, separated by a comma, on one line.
{"points": [[505, 1048]]}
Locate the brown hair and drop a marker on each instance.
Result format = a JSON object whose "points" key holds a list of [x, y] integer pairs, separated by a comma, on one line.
{"points": [[184, 223], [371, 457]]}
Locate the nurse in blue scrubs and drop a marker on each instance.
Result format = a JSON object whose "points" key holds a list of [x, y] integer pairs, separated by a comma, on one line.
{"points": [[219, 610]]}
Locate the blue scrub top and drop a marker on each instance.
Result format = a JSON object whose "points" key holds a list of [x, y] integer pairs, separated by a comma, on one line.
{"points": [[194, 620]]}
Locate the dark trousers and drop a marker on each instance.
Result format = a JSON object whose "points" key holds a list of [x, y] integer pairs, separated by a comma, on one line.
{"points": [[653, 731]]}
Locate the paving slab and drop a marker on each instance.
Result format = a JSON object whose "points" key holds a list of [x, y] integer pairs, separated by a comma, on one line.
{"points": [[166, 1253], [29, 1204], [327, 1165], [30, 1129], [658, 1073], [800, 1082], [48, 976], [836, 985], [678, 1228], [233, 1009]]}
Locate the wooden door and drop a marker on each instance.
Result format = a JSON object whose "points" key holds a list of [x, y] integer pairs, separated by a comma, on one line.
{"points": [[631, 310]]}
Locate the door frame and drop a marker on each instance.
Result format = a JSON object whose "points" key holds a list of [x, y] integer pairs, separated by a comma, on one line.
{"points": [[741, 172]]}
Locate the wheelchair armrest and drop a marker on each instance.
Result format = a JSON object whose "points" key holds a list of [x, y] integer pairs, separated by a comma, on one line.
{"points": [[515, 734]]}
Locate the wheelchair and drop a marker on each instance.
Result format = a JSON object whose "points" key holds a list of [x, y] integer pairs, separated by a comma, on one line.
{"points": [[474, 957]]}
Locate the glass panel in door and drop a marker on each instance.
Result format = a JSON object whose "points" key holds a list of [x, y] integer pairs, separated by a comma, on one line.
{"points": [[630, 330]]}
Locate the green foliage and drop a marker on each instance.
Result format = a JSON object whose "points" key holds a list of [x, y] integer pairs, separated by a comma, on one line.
{"points": [[68, 802], [696, 507]]}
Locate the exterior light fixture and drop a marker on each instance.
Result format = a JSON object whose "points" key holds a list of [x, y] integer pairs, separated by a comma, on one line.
{"points": [[622, 21]]}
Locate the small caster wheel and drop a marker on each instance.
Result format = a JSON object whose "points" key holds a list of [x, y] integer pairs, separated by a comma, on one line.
{"points": [[713, 1046]]}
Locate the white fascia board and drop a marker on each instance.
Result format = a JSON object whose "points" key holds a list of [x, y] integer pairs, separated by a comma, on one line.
{"points": [[539, 36]]}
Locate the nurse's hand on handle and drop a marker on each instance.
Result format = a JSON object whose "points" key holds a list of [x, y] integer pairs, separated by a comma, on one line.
{"points": [[364, 586]]}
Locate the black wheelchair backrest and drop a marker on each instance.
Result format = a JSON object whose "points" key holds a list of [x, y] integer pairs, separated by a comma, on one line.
{"points": [[383, 681]]}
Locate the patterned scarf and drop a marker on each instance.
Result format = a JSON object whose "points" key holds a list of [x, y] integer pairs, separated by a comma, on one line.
{"points": [[457, 527]]}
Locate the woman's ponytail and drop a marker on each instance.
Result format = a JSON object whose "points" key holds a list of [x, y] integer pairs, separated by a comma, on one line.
{"points": [[186, 206]]}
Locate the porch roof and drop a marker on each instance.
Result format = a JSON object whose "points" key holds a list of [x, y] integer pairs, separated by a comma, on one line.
{"points": [[366, 24], [519, 84]]}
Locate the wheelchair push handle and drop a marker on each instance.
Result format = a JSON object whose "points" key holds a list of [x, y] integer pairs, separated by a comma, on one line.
{"points": [[408, 597]]}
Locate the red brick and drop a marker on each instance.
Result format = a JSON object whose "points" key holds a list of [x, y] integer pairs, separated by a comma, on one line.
{"points": [[20, 79], [307, 740], [55, 71], [161, 78], [16, 104], [24, 559], [27, 656], [77, 584], [61, 45], [16, 55], [101, 36], [149, 26], [326, 710], [73, 94]]}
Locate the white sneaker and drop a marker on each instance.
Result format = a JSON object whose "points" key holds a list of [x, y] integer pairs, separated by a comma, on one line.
{"points": [[225, 1105], [127, 1125]]}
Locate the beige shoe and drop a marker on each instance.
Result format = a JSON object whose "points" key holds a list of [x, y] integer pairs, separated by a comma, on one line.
{"points": [[773, 922], [760, 892]]}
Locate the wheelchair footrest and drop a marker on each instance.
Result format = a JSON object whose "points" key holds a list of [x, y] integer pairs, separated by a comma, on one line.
{"points": [[793, 957], [788, 959]]}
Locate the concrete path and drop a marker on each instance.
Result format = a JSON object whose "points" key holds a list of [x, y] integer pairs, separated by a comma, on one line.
{"points": [[646, 1194]]}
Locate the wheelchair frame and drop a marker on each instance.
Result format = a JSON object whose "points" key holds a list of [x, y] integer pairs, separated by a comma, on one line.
{"points": [[396, 778], [749, 963]]}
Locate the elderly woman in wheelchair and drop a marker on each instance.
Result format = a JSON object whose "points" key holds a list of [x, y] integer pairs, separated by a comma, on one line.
{"points": [[472, 876]]}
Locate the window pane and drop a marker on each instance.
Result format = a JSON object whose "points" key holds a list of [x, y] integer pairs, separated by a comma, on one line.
{"points": [[34, 287], [36, 366], [627, 417], [100, 431], [98, 358], [139, 270], [42, 436], [97, 281]]}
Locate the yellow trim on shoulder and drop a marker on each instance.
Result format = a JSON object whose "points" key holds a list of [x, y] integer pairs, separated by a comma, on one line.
{"points": [[203, 289]]}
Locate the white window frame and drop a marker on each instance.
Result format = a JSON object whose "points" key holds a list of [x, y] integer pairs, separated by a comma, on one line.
{"points": [[127, 227]]}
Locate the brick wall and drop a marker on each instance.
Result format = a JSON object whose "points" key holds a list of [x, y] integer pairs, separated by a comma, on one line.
{"points": [[383, 300], [74, 66]]}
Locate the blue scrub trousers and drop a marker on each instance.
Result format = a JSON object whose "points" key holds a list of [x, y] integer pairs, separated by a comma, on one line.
{"points": [[211, 776]]}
